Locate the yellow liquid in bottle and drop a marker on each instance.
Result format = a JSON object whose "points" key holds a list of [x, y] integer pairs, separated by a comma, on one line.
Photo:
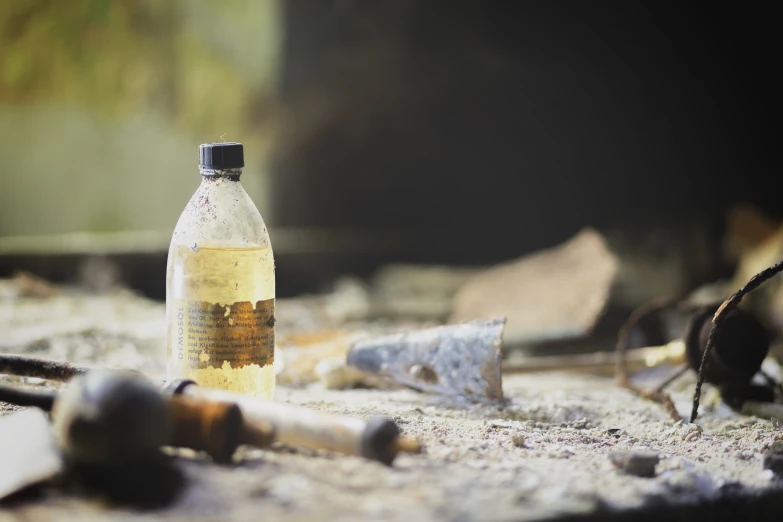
{"points": [[220, 309]]}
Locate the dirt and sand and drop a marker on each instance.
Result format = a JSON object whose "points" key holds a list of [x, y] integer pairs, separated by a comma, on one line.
{"points": [[543, 456]]}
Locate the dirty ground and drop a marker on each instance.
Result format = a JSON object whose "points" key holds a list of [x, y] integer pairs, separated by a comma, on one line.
{"points": [[545, 456]]}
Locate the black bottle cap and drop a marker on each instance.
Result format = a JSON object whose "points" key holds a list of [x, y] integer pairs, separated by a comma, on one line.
{"points": [[220, 156]]}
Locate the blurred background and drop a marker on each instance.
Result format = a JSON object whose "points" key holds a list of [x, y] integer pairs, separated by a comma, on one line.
{"points": [[378, 131]]}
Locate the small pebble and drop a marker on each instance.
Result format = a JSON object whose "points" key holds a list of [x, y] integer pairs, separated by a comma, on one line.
{"points": [[518, 439], [637, 462]]}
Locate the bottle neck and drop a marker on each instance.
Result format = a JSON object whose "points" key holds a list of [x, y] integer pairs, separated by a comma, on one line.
{"points": [[212, 174]]}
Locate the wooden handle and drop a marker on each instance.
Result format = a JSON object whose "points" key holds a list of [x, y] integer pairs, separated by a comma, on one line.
{"points": [[298, 426], [210, 426]]}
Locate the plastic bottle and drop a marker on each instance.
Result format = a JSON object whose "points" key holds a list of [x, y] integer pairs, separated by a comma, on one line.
{"points": [[220, 283]]}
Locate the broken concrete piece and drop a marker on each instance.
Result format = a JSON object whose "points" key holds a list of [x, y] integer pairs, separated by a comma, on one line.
{"points": [[28, 452], [302, 352], [767, 300], [747, 227], [461, 359], [759, 257], [334, 374], [553, 294], [637, 462]]}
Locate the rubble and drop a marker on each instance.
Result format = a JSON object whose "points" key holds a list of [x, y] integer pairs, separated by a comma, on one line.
{"points": [[554, 294], [302, 352], [756, 242], [335, 374], [636, 462], [747, 227]]}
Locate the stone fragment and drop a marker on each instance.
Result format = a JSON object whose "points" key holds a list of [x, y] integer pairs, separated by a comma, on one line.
{"points": [[334, 374], [640, 463], [553, 294], [518, 439], [302, 352]]}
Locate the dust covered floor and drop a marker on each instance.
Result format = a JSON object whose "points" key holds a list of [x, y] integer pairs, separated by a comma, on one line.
{"points": [[542, 457]]}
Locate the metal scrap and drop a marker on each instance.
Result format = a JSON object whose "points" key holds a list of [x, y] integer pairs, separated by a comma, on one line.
{"points": [[460, 359]]}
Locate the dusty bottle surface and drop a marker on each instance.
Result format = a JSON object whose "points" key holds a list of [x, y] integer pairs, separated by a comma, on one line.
{"points": [[220, 283]]}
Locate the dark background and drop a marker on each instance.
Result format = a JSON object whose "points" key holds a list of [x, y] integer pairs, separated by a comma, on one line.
{"points": [[456, 132], [524, 121]]}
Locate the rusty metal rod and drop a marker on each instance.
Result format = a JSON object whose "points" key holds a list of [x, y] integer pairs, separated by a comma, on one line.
{"points": [[723, 311], [40, 368], [603, 363], [23, 397]]}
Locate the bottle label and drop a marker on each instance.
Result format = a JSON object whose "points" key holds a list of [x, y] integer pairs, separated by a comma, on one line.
{"points": [[208, 334]]}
